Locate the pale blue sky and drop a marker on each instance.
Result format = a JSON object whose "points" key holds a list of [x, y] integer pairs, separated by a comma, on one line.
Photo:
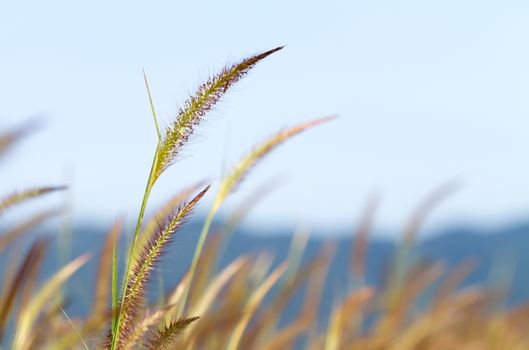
{"points": [[426, 91]]}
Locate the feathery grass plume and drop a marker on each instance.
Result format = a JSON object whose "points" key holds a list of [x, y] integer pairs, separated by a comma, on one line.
{"points": [[19, 197], [29, 314], [195, 108], [165, 338], [177, 135], [235, 177], [144, 265], [150, 320], [237, 174], [151, 225]]}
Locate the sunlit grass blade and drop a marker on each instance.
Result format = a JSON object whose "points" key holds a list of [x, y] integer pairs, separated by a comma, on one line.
{"points": [[454, 280], [400, 264], [209, 295], [344, 314], [285, 338], [400, 301], [216, 245], [29, 314], [235, 176], [252, 305], [299, 242], [30, 263], [315, 287], [271, 315], [153, 111]]}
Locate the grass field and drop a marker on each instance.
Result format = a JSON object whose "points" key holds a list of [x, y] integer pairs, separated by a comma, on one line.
{"points": [[239, 306]]}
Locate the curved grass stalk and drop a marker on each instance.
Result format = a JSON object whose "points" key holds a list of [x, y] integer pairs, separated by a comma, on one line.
{"points": [[286, 337], [401, 261], [29, 314], [359, 247], [247, 204], [19, 197], [153, 110], [146, 324], [342, 315], [173, 141], [215, 287], [234, 178], [216, 246], [144, 265], [13, 285], [252, 305], [195, 108], [150, 226]]}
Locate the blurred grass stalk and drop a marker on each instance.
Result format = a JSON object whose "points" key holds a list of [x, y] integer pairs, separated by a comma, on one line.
{"points": [[243, 305]]}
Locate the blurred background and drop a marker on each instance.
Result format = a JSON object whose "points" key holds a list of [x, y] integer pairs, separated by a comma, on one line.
{"points": [[429, 94], [426, 93]]}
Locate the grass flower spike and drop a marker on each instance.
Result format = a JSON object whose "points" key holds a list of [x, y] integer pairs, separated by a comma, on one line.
{"points": [[142, 269], [176, 136], [196, 107]]}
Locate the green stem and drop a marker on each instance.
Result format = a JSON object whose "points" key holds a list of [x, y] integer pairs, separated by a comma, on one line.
{"points": [[198, 251], [148, 188]]}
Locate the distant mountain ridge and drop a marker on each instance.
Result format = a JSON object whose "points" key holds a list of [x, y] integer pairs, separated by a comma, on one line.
{"points": [[500, 254]]}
